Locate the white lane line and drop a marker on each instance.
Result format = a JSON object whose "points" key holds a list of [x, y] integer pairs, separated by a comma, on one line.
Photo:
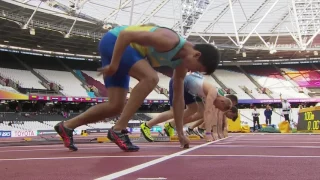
{"points": [[277, 134], [153, 162], [159, 178], [259, 156], [276, 142], [287, 140], [81, 157], [231, 140], [253, 146]]}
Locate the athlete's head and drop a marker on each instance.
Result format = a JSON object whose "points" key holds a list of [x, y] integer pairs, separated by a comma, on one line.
{"points": [[203, 58], [233, 98], [222, 103], [232, 113]]}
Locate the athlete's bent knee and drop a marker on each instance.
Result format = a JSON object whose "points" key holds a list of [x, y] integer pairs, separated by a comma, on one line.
{"points": [[151, 81]]}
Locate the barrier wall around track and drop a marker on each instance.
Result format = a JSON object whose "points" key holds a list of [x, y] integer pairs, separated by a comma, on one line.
{"points": [[34, 133], [20, 133]]}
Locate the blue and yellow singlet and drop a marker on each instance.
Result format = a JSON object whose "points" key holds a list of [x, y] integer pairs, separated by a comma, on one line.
{"points": [[155, 58]]}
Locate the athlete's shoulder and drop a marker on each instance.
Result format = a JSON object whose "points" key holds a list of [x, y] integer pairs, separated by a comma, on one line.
{"points": [[140, 28], [171, 32], [196, 75]]}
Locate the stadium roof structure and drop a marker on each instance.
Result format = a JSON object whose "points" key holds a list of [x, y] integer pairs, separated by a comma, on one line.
{"points": [[251, 30]]}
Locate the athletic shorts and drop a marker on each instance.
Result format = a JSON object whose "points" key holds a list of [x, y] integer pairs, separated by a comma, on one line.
{"points": [[188, 98], [130, 56]]}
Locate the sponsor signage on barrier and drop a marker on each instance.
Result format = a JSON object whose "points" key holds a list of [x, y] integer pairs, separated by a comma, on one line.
{"points": [[53, 132], [23, 133], [153, 129], [46, 132], [82, 99], [67, 99], [249, 101], [156, 129], [148, 101], [134, 130], [97, 130], [4, 134]]}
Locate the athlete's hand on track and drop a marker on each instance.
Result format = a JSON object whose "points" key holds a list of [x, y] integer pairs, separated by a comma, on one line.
{"points": [[225, 133], [221, 135], [209, 137], [184, 141], [108, 70], [215, 136]]}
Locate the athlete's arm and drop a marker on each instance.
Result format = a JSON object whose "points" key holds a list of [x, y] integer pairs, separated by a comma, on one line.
{"points": [[178, 97], [225, 127], [162, 41], [220, 124], [209, 108], [194, 117]]}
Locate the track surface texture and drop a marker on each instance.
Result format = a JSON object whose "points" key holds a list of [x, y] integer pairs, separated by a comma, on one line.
{"points": [[239, 156]]}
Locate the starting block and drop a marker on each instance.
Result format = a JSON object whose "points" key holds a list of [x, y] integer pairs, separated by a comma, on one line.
{"points": [[27, 139], [191, 138], [84, 133], [102, 139]]}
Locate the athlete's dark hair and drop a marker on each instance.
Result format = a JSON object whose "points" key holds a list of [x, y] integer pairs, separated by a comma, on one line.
{"points": [[210, 57], [235, 111], [233, 98]]}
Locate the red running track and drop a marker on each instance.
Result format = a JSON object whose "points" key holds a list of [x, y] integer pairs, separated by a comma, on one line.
{"points": [[284, 157]]}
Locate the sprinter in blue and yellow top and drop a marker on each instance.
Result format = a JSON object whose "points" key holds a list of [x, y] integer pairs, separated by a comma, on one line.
{"points": [[134, 51]]}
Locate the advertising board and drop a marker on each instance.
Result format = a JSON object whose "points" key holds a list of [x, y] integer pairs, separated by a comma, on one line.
{"points": [[23, 133], [5, 134]]}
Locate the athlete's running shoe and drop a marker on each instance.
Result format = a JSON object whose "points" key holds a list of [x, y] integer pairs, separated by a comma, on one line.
{"points": [[66, 135], [201, 131], [122, 140], [200, 135], [190, 131], [145, 130], [168, 129]]}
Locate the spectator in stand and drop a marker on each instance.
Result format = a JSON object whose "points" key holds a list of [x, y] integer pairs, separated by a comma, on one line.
{"points": [[268, 114], [255, 115]]}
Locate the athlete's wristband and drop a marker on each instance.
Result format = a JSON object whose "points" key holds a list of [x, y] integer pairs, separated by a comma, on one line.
{"points": [[208, 133]]}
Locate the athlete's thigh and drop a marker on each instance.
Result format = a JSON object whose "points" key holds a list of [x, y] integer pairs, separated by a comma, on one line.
{"points": [[143, 70], [190, 110], [129, 58]]}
